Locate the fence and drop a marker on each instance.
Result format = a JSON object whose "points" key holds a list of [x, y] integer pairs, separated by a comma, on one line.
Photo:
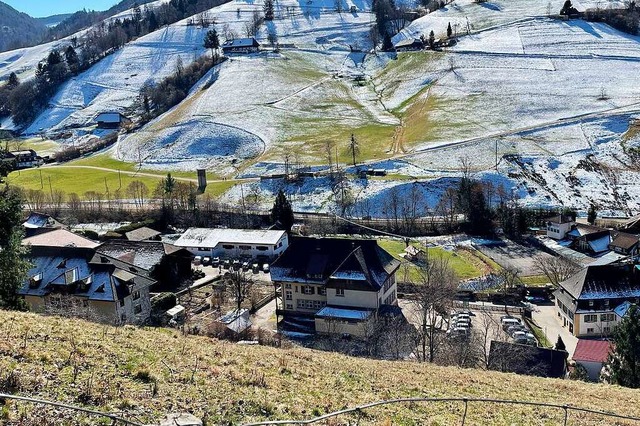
{"points": [[114, 418], [565, 410]]}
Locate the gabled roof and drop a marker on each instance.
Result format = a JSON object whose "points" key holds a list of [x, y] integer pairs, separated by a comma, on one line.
{"points": [[603, 282], [39, 220], [336, 262], [59, 238], [241, 42], [528, 360], [141, 254], [560, 218], [141, 234], [592, 350], [624, 241], [408, 42], [69, 270]]}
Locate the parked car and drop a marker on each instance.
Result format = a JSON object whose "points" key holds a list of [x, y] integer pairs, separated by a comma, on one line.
{"points": [[519, 335], [245, 266], [206, 260], [458, 332], [255, 268], [197, 260], [513, 328], [226, 264], [265, 268], [526, 341], [215, 262], [236, 264], [535, 299], [508, 322], [463, 321]]}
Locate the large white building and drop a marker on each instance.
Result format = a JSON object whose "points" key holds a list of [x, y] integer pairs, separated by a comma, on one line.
{"points": [[234, 243]]}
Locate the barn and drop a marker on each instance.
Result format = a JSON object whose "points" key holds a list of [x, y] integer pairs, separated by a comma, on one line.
{"points": [[112, 120]]}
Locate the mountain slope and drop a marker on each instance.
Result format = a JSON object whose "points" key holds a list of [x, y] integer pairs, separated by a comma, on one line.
{"points": [[117, 370], [18, 29]]}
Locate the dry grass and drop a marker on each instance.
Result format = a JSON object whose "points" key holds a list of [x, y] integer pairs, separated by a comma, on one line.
{"points": [[148, 372]]}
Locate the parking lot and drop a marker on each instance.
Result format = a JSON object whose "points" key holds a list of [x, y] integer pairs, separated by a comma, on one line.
{"points": [[521, 256]]}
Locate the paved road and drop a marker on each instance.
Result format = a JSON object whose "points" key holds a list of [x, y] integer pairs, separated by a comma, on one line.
{"points": [[265, 317], [547, 318]]}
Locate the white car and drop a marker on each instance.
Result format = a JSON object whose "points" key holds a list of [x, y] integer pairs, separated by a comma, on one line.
{"points": [[197, 260]]}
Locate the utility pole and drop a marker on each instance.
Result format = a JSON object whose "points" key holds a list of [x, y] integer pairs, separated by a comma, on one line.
{"points": [[41, 182], [50, 188], [119, 179], [496, 155]]}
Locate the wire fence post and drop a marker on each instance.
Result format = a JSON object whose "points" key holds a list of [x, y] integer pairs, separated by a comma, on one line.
{"points": [[464, 415], [566, 414]]}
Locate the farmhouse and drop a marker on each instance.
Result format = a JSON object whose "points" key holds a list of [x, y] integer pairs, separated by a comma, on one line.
{"points": [[66, 278], [112, 120], [339, 283], [408, 44], [234, 243], [241, 45], [24, 159], [587, 301]]}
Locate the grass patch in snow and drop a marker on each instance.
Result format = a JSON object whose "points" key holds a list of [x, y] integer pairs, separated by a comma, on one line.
{"points": [[37, 144], [535, 280]]}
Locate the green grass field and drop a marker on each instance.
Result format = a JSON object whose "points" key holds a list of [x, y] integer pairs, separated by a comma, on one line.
{"points": [[411, 272], [81, 180]]}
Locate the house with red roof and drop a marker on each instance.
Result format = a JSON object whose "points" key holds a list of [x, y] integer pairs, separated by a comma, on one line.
{"points": [[592, 354]]}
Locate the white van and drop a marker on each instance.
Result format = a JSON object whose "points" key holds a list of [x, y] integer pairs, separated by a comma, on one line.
{"points": [[508, 322]]}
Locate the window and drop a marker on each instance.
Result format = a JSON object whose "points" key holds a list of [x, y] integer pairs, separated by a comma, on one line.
{"points": [[296, 288], [137, 309], [288, 295], [606, 330], [340, 292], [289, 305], [591, 318], [589, 330], [307, 289], [136, 295], [607, 317], [280, 244], [262, 248], [590, 302], [322, 291], [228, 246], [288, 285], [606, 303], [121, 302], [245, 247]]}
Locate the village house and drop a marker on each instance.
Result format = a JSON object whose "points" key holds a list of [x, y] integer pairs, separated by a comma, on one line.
{"points": [[67, 278], [558, 226], [409, 44], [112, 120], [165, 264], [38, 223], [624, 243], [23, 159], [241, 45], [234, 243], [339, 284], [587, 301], [592, 354]]}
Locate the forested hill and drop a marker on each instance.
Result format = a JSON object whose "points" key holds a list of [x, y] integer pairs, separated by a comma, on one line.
{"points": [[18, 29]]}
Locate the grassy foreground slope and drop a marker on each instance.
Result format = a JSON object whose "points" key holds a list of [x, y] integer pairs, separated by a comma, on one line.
{"points": [[115, 370]]}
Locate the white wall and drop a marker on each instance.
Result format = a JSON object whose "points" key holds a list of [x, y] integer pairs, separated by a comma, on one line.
{"points": [[558, 231], [272, 251], [598, 326], [593, 369]]}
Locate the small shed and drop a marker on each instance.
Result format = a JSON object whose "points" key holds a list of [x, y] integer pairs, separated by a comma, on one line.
{"points": [[143, 234], [409, 44], [592, 354], [112, 120], [177, 313], [236, 321]]}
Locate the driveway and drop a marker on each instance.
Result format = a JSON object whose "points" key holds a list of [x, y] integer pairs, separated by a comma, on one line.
{"points": [[547, 318], [265, 317]]}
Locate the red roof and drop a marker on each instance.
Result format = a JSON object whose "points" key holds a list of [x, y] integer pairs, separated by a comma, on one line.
{"points": [[592, 350]]}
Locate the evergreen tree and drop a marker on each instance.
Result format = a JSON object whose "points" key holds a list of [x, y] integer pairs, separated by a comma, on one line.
{"points": [[13, 266], [73, 62], [387, 44], [268, 10], [624, 361], [449, 30], [560, 346], [432, 39], [282, 212], [211, 41], [13, 81], [592, 214]]}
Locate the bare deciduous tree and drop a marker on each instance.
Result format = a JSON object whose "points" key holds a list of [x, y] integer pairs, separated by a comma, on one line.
{"points": [[239, 285], [433, 302], [556, 269]]}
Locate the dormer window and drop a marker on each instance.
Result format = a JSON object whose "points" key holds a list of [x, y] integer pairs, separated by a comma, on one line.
{"points": [[35, 281], [62, 264], [590, 303]]}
